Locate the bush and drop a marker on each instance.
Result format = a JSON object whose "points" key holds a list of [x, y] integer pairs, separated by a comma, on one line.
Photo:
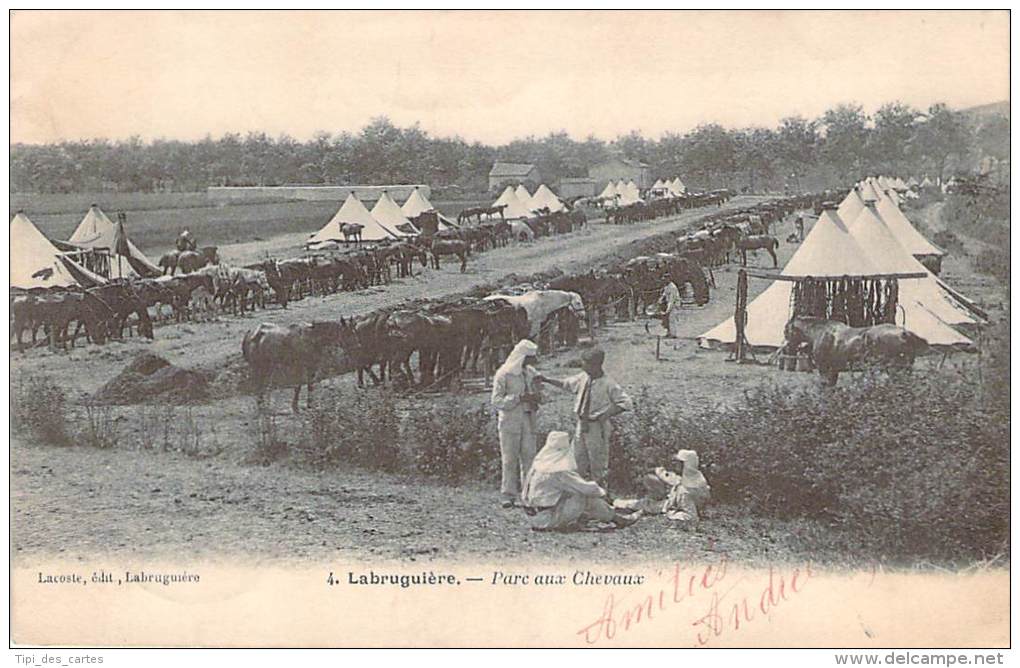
{"points": [[100, 427], [39, 408], [948, 241], [995, 263], [904, 464], [361, 429], [455, 439]]}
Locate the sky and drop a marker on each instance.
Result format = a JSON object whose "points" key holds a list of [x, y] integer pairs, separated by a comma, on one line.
{"points": [[486, 76]]}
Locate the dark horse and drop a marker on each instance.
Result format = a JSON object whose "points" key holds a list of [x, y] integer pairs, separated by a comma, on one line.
{"points": [[456, 247], [756, 242], [288, 355], [836, 347]]}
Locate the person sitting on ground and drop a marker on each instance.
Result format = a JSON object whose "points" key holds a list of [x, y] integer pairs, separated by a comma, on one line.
{"points": [[679, 497], [559, 498]]}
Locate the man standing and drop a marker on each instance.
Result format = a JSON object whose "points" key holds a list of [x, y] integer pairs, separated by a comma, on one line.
{"points": [[598, 399], [669, 305], [800, 227], [515, 394]]}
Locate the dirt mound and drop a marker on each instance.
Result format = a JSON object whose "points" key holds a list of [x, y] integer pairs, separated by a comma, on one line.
{"points": [[150, 377]]}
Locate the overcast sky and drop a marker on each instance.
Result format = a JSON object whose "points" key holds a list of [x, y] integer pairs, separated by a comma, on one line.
{"points": [[488, 76]]}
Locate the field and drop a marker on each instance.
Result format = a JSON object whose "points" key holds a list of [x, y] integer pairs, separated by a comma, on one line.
{"points": [[155, 219], [195, 486]]}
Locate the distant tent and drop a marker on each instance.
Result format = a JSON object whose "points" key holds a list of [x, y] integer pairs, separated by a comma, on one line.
{"points": [[629, 194], [899, 184], [354, 212], [851, 206], [659, 185], [97, 231], [609, 192], [36, 263], [418, 204], [867, 191], [831, 250], [912, 183], [927, 183], [546, 199], [514, 209], [902, 229], [392, 218], [524, 196], [677, 186]]}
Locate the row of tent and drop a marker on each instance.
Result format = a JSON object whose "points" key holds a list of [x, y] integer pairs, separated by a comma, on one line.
{"points": [[519, 203], [628, 193], [386, 220], [867, 235], [37, 262]]}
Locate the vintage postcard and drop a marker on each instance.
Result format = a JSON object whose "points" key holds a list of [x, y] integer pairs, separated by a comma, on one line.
{"points": [[679, 329]]}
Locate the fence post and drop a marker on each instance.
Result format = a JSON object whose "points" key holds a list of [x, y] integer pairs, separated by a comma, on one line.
{"points": [[740, 316]]}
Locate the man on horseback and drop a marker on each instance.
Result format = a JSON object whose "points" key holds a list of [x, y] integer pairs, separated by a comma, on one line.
{"points": [[597, 399], [185, 242]]}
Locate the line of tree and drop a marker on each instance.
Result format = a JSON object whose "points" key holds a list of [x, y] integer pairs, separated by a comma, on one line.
{"points": [[843, 143]]}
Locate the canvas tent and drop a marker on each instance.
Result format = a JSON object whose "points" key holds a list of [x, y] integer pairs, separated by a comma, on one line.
{"points": [[629, 194], [514, 209], [829, 251], [354, 212], [544, 198], [677, 186], [524, 196], [36, 263], [392, 218], [872, 233], [902, 229], [417, 203], [609, 192], [97, 231]]}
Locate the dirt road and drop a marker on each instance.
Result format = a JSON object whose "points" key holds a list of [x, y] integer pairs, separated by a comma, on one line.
{"points": [[210, 345]]}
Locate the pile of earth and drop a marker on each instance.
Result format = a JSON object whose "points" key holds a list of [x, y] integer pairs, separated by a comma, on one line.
{"points": [[150, 377]]}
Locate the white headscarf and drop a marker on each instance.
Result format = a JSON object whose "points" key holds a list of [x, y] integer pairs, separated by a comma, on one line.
{"points": [[515, 362], [556, 456], [691, 478]]}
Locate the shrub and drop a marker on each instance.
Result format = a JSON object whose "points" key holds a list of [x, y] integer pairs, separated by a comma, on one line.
{"points": [[948, 241], [904, 464], [39, 408], [454, 439], [100, 427], [360, 429], [995, 263]]}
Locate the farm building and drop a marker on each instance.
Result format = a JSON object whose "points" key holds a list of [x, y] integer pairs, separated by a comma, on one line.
{"points": [[512, 172], [621, 169], [577, 187]]}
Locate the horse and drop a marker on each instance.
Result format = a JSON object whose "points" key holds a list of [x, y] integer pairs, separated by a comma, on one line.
{"points": [[351, 232], [168, 261], [521, 231], [540, 304], [455, 247], [835, 347], [190, 261], [756, 242], [288, 355]]}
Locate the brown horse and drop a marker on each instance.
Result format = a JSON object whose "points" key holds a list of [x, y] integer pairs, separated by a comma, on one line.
{"points": [[440, 247], [758, 242], [288, 355], [836, 347]]}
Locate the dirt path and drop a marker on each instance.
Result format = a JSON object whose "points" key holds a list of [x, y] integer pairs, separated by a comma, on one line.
{"points": [[210, 345]]}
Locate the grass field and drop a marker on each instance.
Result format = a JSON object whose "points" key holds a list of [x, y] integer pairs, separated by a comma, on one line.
{"points": [[155, 219]]}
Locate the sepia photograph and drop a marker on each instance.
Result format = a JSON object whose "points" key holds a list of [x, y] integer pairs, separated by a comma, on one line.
{"points": [[676, 329]]}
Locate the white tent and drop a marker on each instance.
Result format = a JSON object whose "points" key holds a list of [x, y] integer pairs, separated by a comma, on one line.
{"points": [[851, 206], [514, 209], [677, 186], [867, 190], [629, 194], [97, 231], [354, 212], [524, 196], [392, 218], [609, 192], [873, 234], [829, 251], [902, 229], [659, 185], [927, 183], [36, 263], [418, 204], [544, 198], [899, 184]]}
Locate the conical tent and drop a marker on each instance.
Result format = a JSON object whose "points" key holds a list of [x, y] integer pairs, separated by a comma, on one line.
{"points": [[506, 196], [677, 186], [609, 192], [658, 185], [867, 191], [832, 251], [514, 209], [851, 206], [902, 229], [392, 218], [544, 198], [36, 263], [872, 233], [418, 204], [524, 196], [97, 231], [629, 194], [354, 212]]}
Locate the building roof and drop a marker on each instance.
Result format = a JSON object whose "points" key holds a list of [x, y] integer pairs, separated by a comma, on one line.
{"points": [[510, 169]]}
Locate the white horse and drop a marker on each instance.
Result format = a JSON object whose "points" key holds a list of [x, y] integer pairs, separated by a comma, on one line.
{"points": [[540, 304]]}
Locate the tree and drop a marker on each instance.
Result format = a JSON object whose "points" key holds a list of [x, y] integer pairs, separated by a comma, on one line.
{"points": [[796, 146], [941, 134], [890, 146], [846, 135]]}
